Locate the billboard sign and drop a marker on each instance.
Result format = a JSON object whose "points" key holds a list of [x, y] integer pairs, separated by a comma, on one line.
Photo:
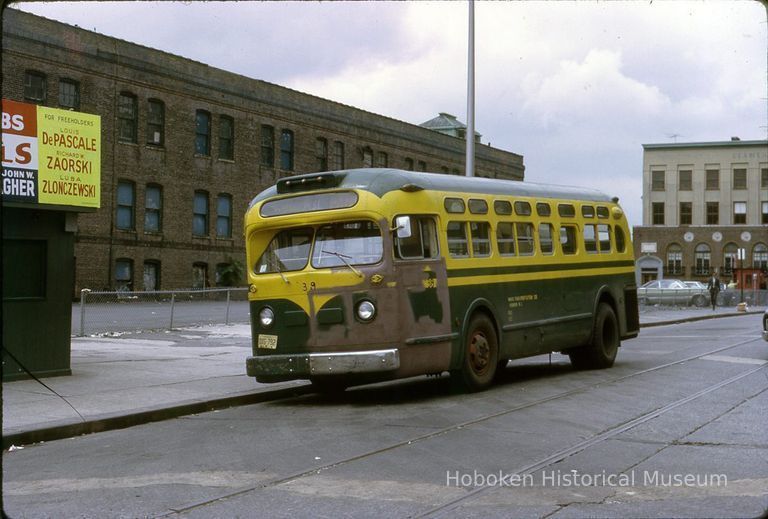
{"points": [[50, 156]]}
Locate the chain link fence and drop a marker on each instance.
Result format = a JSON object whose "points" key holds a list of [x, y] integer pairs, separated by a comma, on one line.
{"points": [[111, 312]]}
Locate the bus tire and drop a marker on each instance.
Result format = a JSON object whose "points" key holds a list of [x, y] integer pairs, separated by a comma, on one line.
{"points": [[328, 385], [481, 355], [601, 352]]}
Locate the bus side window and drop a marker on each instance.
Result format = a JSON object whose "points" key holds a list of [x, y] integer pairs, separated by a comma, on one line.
{"points": [[457, 240], [621, 242], [604, 238], [568, 239], [590, 240], [423, 240], [505, 239], [524, 233], [481, 238], [545, 239]]}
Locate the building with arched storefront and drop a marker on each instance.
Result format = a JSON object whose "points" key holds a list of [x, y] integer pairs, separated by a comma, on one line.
{"points": [[705, 210]]}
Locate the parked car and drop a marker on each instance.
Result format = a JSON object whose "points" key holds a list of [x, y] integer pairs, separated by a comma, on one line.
{"points": [[673, 292], [765, 325]]}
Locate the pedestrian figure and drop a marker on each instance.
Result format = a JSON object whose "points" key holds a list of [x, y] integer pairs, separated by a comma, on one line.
{"points": [[714, 288]]}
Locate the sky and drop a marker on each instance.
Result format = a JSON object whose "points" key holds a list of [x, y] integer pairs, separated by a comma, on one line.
{"points": [[575, 87]]}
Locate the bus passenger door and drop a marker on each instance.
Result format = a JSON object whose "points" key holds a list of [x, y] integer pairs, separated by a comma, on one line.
{"points": [[425, 325]]}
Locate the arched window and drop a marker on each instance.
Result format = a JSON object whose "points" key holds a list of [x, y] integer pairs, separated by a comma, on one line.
{"points": [[674, 260], [702, 259], [730, 252], [760, 256]]}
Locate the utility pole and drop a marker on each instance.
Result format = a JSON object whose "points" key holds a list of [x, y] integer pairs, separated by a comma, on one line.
{"points": [[470, 158]]}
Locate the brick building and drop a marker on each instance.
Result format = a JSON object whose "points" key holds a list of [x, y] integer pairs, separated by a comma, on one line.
{"points": [[186, 147], [702, 204]]}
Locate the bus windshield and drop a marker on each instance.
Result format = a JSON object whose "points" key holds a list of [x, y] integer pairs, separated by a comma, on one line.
{"points": [[336, 245], [347, 243], [288, 250]]}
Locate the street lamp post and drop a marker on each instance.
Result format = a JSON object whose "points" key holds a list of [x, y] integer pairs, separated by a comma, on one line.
{"points": [[470, 158]]}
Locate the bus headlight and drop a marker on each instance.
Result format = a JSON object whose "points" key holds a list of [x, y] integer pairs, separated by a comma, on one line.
{"points": [[266, 317], [366, 311]]}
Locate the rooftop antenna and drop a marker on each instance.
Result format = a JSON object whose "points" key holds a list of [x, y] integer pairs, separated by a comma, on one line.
{"points": [[674, 136]]}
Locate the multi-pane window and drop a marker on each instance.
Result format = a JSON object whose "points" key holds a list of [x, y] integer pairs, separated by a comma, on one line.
{"points": [[155, 122], [127, 117], [713, 179], [226, 138], [739, 212], [202, 133], [69, 94], [764, 212], [321, 154], [764, 178], [760, 256], [422, 243], [568, 239], [367, 157], [481, 238], [200, 214], [126, 205], [505, 238], [674, 260], [713, 213], [200, 275], [382, 160], [151, 275], [657, 213], [590, 239], [153, 208], [702, 256], [524, 232], [124, 275], [35, 86], [409, 164], [546, 243], [286, 150], [224, 216], [457, 240], [338, 155], [657, 180], [267, 146], [740, 178], [686, 213], [686, 182], [730, 254]]}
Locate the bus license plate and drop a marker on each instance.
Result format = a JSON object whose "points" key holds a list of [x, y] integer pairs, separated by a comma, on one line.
{"points": [[268, 342]]}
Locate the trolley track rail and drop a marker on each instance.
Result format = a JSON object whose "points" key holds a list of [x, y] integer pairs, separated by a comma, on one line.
{"points": [[528, 468]]}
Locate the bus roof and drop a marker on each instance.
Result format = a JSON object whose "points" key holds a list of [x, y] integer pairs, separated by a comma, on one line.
{"points": [[380, 181]]}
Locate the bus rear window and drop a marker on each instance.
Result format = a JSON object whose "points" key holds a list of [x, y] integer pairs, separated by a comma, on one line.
{"points": [[308, 203]]}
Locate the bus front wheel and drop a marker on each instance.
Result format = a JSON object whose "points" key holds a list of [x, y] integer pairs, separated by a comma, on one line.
{"points": [[601, 352], [481, 355]]}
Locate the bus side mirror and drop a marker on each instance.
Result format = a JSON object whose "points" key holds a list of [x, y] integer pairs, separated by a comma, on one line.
{"points": [[403, 226]]}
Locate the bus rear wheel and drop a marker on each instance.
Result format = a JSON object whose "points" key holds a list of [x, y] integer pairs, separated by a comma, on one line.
{"points": [[481, 356], [601, 352]]}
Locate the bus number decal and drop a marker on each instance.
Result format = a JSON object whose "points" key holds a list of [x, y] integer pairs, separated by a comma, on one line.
{"points": [[429, 283], [307, 287]]}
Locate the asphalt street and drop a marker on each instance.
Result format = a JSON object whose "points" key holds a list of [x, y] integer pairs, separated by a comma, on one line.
{"points": [[677, 428]]}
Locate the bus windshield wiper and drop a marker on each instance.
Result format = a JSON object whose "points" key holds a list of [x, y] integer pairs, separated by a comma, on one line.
{"points": [[344, 258], [277, 267]]}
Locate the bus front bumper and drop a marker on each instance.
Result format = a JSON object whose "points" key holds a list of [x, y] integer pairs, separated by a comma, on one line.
{"points": [[274, 368]]}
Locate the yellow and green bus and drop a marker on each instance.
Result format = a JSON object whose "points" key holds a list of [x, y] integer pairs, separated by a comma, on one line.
{"points": [[366, 275]]}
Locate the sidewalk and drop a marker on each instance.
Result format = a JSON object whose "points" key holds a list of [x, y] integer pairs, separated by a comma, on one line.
{"points": [[136, 378]]}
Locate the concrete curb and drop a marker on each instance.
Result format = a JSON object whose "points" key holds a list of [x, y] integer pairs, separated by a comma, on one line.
{"points": [[698, 318], [121, 421]]}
